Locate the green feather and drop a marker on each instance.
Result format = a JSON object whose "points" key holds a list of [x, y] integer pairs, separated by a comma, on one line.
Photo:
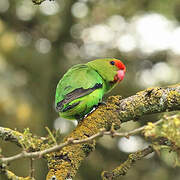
{"points": [[78, 91], [105, 70]]}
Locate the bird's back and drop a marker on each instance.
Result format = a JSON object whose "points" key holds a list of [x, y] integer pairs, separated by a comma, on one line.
{"points": [[80, 86]]}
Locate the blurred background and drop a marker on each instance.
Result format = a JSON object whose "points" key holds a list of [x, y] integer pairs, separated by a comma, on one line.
{"points": [[39, 43]]}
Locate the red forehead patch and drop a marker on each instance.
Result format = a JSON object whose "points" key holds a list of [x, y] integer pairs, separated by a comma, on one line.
{"points": [[119, 64]]}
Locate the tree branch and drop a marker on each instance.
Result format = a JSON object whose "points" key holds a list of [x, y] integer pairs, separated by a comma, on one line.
{"points": [[124, 167], [11, 135], [39, 154], [65, 163], [103, 121], [11, 176]]}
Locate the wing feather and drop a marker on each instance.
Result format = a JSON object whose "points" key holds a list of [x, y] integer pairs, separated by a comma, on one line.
{"points": [[79, 81]]}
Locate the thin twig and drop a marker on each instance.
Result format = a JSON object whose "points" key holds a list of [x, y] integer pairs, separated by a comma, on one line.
{"points": [[133, 132], [51, 135], [70, 141], [31, 168]]}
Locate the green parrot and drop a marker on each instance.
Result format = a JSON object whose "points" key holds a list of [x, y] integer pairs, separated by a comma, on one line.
{"points": [[83, 86]]}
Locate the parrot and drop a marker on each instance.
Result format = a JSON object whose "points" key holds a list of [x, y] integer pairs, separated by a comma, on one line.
{"points": [[83, 86]]}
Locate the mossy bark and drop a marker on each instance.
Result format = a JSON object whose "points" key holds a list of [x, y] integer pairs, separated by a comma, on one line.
{"points": [[65, 163], [7, 134], [124, 167]]}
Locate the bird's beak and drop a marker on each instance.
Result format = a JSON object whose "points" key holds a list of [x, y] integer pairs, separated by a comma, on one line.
{"points": [[120, 75]]}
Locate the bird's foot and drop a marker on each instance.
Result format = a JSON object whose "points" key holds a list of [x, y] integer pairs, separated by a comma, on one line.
{"points": [[102, 103]]}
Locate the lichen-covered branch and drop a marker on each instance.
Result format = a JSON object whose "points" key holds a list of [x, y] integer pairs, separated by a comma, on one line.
{"points": [[25, 140], [103, 121], [158, 133], [7, 134], [124, 167], [65, 163], [39, 154], [11, 176], [165, 135]]}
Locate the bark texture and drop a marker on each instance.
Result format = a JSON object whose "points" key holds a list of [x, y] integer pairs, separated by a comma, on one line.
{"points": [[65, 163]]}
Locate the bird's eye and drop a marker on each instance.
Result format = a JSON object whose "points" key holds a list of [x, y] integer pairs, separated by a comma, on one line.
{"points": [[112, 63]]}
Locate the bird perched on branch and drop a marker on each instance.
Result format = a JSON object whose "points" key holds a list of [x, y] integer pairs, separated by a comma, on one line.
{"points": [[83, 86]]}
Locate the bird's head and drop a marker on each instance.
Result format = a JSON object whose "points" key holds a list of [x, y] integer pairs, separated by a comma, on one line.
{"points": [[119, 68], [111, 70]]}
